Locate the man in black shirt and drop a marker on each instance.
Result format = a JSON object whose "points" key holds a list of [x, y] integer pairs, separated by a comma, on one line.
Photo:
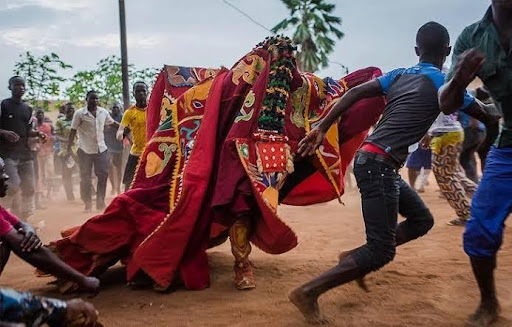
{"points": [[15, 129], [412, 106]]}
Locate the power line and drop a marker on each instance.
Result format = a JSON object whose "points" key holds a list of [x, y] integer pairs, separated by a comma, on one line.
{"points": [[268, 30], [247, 16], [345, 68]]}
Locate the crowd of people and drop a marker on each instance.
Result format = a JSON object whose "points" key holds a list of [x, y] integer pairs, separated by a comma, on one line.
{"points": [[449, 150], [46, 155], [33, 153], [215, 170]]}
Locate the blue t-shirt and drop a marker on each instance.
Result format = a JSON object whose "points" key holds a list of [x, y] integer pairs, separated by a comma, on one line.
{"points": [[412, 106], [464, 120], [429, 70]]}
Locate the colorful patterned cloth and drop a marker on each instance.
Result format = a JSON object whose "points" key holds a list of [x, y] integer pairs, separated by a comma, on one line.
{"points": [[170, 84], [451, 138], [62, 129], [450, 175], [225, 144], [16, 307]]}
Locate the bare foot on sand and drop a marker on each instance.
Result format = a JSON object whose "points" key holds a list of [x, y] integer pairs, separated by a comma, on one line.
{"points": [[90, 285], [141, 281], [308, 307], [360, 281], [485, 315]]}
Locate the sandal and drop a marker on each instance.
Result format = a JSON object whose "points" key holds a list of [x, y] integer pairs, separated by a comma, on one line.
{"points": [[457, 222]]}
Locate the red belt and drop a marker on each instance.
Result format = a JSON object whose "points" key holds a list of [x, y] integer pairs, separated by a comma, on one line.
{"points": [[370, 147]]}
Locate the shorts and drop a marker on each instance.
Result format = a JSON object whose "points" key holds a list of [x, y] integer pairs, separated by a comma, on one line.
{"points": [[421, 158]]}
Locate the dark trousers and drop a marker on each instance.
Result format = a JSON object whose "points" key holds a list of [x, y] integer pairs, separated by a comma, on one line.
{"points": [[115, 172], [491, 205], [21, 182], [129, 171], [100, 163], [384, 195], [67, 178], [473, 138]]}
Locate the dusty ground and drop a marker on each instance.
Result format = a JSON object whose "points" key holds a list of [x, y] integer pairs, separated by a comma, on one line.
{"points": [[429, 283]]}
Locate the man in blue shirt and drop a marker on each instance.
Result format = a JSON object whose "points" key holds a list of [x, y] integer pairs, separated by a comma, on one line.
{"points": [[412, 106]]}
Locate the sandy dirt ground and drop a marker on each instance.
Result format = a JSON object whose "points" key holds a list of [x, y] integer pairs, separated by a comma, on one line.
{"points": [[428, 284]]}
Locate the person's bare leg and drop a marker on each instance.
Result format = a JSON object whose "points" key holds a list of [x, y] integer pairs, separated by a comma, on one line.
{"points": [[401, 238], [413, 176], [489, 308], [418, 222], [348, 177], [241, 248], [305, 297], [360, 281], [47, 181], [119, 174], [67, 181], [426, 175], [112, 177], [44, 260], [308, 306], [421, 181]]}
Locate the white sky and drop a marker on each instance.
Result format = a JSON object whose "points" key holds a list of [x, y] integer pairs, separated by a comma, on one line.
{"points": [[210, 33]]}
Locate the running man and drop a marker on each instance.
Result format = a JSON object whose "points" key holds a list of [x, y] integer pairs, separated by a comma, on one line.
{"points": [[412, 106], [89, 123]]}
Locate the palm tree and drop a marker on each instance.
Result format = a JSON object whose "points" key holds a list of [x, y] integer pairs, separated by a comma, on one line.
{"points": [[315, 31]]}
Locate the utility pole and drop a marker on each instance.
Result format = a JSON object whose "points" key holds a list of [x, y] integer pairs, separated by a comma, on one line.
{"points": [[124, 55]]}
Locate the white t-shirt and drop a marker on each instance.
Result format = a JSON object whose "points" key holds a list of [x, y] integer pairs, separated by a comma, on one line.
{"points": [[445, 124], [91, 138]]}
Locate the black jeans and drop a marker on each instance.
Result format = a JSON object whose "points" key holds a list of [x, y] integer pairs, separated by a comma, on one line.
{"points": [[100, 163], [384, 194], [473, 138], [67, 177]]}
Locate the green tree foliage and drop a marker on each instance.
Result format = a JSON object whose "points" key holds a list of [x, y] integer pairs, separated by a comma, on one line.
{"points": [[42, 77], [315, 31], [106, 79]]}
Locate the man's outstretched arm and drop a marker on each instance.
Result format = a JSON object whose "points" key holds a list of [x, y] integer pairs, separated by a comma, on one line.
{"points": [[314, 138], [43, 259], [490, 117], [71, 140], [451, 95], [30, 239]]}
